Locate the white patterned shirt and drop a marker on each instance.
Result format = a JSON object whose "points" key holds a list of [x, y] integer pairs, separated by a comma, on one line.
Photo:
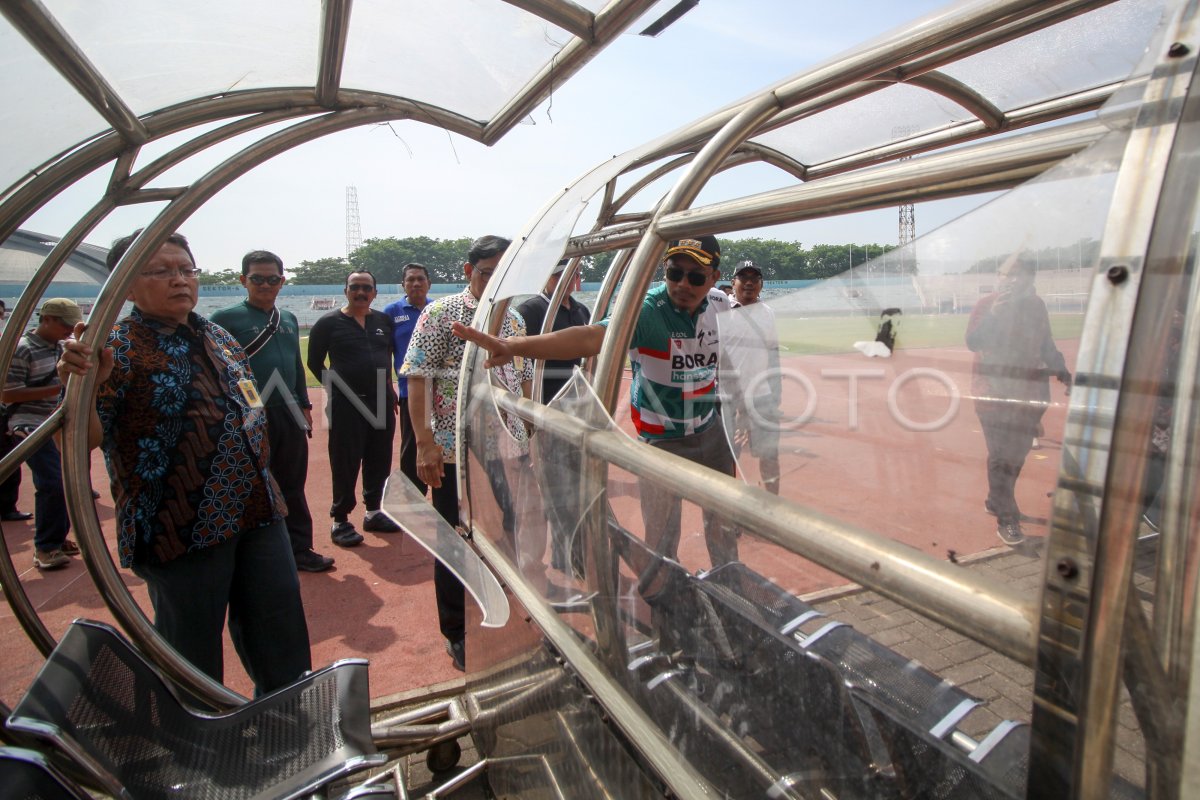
{"points": [[436, 354]]}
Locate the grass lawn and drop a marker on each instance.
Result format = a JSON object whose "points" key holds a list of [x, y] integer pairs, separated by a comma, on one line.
{"points": [[312, 381], [820, 335]]}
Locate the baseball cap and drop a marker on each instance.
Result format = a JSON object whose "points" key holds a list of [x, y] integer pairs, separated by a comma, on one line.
{"points": [[747, 266], [560, 266], [64, 309], [704, 249]]}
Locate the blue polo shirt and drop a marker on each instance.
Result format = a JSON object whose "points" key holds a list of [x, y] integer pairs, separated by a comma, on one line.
{"points": [[404, 317]]}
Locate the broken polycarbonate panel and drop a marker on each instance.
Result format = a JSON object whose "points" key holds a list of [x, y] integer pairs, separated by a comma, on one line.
{"points": [[407, 507]]}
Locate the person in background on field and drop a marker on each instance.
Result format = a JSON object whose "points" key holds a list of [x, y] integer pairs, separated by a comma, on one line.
{"points": [[270, 336], [554, 464], [31, 394], [404, 314], [350, 352], [750, 350], [1015, 355], [11, 486]]}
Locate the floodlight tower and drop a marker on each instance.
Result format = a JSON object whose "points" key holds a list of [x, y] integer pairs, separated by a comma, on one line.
{"points": [[908, 212], [353, 228], [908, 224]]}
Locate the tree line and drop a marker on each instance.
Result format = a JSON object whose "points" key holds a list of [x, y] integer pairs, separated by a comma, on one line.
{"points": [[779, 260], [385, 258]]}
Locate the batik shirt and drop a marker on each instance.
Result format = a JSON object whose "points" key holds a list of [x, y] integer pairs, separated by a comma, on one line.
{"points": [[186, 453], [436, 354]]}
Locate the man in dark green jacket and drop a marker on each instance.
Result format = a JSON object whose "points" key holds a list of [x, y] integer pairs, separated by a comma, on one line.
{"points": [[271, 338]]}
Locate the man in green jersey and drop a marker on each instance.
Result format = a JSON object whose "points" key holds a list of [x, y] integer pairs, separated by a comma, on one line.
{"points": [[673, 396]]}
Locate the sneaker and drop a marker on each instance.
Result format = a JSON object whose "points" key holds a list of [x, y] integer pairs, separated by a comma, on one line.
{"points": [[50, 559], [1010, 533], [344, 535], [379, 522], [308, 561], [69, 547], [458, 654]]}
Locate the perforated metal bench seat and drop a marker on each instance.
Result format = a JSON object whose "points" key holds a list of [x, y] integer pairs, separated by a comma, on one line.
{"points": [[112, 712]]}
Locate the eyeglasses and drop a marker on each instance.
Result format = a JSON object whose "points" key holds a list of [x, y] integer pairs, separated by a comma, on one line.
{"points": [[164, 274], [694, 277], [361, 287], [269, 280]]}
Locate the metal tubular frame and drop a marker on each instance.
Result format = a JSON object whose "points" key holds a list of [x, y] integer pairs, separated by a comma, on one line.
{"points": [[626, 714], [689, 137], [669, 220], [984, 167], [76, 459], [120, 147], [983, 609], [833, 84], [334, 29], [44, 33], [1008, 622], [1095, 533], [606, 26], [122, 189]]}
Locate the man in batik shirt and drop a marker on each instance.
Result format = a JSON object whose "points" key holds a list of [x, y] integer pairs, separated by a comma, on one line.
{"points": [[199, 517], [432, 366]]}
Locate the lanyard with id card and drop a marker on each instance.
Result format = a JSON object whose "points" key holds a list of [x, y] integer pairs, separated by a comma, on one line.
{"points": [[250, 393]]}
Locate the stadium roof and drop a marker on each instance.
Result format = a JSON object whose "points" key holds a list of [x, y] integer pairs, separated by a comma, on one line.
{"points": [[22, 254]]}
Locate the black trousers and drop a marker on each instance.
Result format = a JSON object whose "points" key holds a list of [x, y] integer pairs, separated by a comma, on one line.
{"points": [[408, 447], [253, 578], [11, 486], [356, 440], [1008, 429], [289, 466], [448, 589]]}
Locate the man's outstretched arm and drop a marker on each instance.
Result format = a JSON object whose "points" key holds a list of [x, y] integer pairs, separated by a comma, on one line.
{"points": [[579, 342]]}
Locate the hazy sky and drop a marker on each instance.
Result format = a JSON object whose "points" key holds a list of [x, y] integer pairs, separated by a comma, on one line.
{"points": [[415, 180]]}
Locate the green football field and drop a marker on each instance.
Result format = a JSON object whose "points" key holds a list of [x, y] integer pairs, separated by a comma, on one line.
{"points": [[823, 335]]}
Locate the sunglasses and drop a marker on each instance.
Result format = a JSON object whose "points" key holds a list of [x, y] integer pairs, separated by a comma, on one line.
{"points": [[361, 287], [269, 280], [694, 277]]}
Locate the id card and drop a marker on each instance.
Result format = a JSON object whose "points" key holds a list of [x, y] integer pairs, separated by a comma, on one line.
{"points": [[250, 393]]}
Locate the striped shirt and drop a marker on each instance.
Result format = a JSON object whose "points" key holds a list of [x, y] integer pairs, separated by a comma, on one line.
{"points": [[35, 363]]}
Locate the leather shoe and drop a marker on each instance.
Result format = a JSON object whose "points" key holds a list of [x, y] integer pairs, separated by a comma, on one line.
{"points": [[309, 561], [457, 650], [15, 516]]}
